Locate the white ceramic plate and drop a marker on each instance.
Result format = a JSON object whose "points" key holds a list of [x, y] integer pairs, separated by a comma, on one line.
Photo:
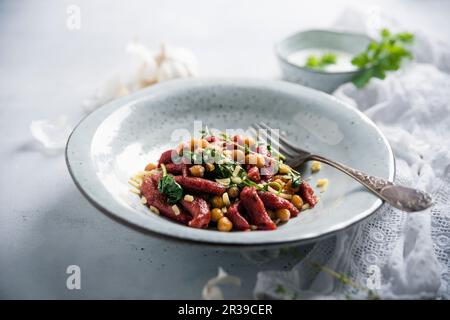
{"points": [[117, 140]]}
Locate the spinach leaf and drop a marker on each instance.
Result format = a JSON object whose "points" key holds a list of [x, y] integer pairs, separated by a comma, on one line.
{"points": [[224, 170], [169, 187]]}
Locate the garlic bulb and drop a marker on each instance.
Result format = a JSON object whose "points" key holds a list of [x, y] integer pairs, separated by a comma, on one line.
{"points": [[143, 65], [169, 63], [146, 67], [175, 63]]}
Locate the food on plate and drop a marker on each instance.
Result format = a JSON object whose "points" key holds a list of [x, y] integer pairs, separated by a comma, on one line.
{"points": [[315, 166], [322, 184], [223, 182]]}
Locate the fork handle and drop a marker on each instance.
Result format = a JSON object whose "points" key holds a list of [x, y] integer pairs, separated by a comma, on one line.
{"points": [[403, 198]]}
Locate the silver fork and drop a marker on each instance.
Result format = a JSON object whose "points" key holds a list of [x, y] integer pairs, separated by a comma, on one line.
{"points": [[403, 198]]}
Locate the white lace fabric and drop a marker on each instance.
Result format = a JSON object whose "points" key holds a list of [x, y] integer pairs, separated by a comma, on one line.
{"points": [[411, 250]]}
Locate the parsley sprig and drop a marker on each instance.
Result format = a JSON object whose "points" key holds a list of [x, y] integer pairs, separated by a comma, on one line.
{"points": [[381, 56], [320, 62]]}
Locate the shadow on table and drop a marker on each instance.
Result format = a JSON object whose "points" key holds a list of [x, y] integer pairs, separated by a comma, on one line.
{"points": [[118, 262]]}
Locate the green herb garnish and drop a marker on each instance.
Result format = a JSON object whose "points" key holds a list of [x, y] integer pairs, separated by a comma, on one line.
{"points": [[296, 180], [381, 56], [280, 289], [279, 187], [320, 62], [205, 132], [272, 151], [249, 183], [169, 187], [212, 153], [192, 157], [225, 137], [224, 170]]}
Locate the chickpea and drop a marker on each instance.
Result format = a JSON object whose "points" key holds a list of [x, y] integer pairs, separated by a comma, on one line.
{"points": [[249, 141], [217, 202], [204, 143], [216, 214], [238, 155], [150, 167], [284, 169], [260, 161], [255, 159], [283, 215], [233, 192], [238, 139], [197, 171], [210, 167], [224, 224], [201, 143], [250, 159], [297, 201]]}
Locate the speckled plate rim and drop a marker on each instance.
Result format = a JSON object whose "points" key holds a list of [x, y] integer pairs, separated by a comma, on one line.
{"points": [[112, 106]]}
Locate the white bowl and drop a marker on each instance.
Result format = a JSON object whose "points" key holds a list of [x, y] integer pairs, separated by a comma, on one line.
{"points": [[325, 81]]}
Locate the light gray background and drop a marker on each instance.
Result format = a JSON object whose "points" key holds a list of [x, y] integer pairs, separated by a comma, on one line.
{"points": [[47, 70]]}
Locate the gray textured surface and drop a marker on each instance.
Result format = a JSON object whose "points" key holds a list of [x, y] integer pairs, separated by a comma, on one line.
{"points": [[45, 223]]}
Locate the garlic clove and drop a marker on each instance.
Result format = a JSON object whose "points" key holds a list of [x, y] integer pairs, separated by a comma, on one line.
{"points": [[175, 63]]}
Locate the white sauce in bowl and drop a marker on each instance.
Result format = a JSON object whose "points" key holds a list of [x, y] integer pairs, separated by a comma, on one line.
{"points": [[343, 59]]}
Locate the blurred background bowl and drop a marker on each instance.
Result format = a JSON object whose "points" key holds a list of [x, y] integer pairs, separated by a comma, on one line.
{"points": [[326, 81]]}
